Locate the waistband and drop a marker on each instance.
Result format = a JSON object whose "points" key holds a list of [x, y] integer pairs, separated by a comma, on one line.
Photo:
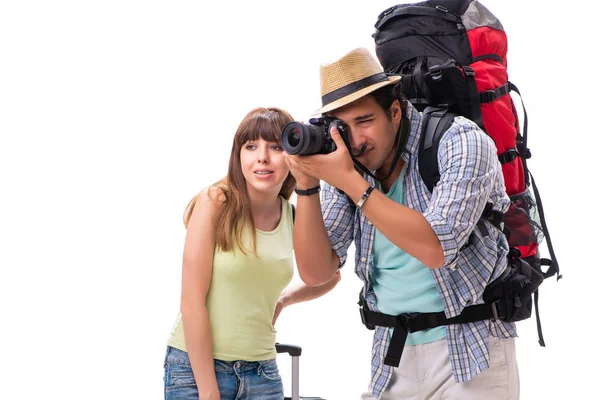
{"points": [[179, 357]]}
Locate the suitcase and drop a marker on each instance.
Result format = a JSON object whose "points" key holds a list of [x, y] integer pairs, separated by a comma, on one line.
{"points": [[294, 352]]}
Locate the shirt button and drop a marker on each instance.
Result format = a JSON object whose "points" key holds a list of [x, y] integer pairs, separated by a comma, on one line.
{"points": [[369, 222], [363, 259]]}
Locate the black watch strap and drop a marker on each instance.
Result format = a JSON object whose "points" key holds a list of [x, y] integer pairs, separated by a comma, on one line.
{"points": [[308, 192]]}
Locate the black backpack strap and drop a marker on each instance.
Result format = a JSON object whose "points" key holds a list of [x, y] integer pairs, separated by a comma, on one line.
{"points": [[436, 121], [537, 318], [552, 263], [293, 213], [522, 148], [490, 95], [475, 112], [525, 153]]}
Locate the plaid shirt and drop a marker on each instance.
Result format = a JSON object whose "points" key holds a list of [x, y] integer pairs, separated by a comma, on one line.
{"points": [[470, 176]]}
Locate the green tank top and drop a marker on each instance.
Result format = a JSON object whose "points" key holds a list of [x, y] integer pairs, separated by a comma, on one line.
{"points": [[243, 293]]}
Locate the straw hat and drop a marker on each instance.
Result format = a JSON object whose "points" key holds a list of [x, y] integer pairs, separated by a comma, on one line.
{"points": [[353, 76]]}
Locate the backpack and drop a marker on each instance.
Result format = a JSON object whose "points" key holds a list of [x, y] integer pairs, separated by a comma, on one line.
{"points": [[452, 58]]}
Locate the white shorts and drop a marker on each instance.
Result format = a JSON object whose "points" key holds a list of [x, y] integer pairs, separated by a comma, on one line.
{"points": [[425, 373]]}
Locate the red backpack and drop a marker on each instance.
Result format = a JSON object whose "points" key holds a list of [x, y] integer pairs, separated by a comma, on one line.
{"points": [[452, 58]]}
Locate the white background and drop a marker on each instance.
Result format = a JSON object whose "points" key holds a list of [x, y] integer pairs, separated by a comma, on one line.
{"points": [[113, 114]]}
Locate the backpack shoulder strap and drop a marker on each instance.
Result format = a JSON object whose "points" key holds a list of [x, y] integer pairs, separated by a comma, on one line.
{"points": [[293, 213], [435, 122]]}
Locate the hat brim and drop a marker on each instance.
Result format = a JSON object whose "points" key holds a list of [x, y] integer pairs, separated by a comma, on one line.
{"points": [[356, 95]]}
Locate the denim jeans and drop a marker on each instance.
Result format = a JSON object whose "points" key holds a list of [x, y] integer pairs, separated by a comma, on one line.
{"points": [[237, 380]]}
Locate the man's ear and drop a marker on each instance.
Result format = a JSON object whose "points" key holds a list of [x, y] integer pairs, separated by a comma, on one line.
{"points": [[396, 112]]}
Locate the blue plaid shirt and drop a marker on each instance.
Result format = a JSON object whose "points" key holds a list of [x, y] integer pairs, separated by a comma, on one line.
{"points": [[470, 177]]}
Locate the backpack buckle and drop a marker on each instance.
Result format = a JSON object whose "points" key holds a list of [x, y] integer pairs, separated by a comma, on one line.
{"points": [[494, 307], [363, 318], [468, 71]]}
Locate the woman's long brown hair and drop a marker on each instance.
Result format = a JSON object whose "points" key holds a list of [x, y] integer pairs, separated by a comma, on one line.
{"points": [[235, 215]]}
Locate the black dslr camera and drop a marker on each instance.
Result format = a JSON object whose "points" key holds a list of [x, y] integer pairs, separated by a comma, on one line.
{"points": [[311, 138]]}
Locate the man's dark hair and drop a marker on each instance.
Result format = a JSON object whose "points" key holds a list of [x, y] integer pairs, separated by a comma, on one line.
{"points": [[386, 95]]}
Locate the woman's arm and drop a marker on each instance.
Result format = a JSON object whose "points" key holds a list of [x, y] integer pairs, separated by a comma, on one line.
{"points": [[302, 292], [196, 276]]}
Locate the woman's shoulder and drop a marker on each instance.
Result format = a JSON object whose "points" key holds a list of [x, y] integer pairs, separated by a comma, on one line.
{"points": [[208, 202], [213, 195]]}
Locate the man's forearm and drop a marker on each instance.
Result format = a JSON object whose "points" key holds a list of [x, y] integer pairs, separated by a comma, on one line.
{"points": [[315, 259], [406, 228]]}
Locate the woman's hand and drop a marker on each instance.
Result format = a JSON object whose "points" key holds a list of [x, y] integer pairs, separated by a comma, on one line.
{"points": [[212, 394], [278, 307]]}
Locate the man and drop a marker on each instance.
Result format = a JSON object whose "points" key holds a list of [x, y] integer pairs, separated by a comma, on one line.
{"points": [[416, 251]]}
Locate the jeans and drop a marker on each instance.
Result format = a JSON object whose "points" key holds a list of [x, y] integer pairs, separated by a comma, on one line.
{"points": [[237, 380]]}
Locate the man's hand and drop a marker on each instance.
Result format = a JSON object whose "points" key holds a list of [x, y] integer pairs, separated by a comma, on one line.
{"points": [[335, 168], [303, 180]]}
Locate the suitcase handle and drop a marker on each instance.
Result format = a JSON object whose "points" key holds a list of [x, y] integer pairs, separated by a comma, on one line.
{"points": [[295, 352], [292, 350]]}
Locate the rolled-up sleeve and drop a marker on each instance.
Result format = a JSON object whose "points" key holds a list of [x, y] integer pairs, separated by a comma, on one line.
{"points": [[468, 164], [338, 215]]}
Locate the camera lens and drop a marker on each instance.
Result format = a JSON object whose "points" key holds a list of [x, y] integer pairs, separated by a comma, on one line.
{"points": [[305, 139], [294, 139]]}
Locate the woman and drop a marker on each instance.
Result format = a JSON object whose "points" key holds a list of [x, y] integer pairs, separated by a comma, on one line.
{"points": [[237, 259]]}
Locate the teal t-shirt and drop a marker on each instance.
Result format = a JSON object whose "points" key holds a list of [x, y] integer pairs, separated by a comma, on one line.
{"points": [[402, 283]]}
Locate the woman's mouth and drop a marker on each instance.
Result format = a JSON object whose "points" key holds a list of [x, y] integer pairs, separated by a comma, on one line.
{"points": [[263, 172]]}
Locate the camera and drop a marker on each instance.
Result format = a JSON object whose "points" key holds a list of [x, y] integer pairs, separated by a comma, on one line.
{"points": [[311, 138]]}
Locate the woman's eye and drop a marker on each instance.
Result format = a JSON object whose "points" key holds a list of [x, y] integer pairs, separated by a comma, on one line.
{"points": [[250, 146], [277, 147]]}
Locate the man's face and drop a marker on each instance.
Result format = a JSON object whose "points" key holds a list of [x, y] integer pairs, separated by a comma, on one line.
{"points": [[370, 126]]}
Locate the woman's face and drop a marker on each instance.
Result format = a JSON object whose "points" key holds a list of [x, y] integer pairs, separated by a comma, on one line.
{"points": [[263, 165]]}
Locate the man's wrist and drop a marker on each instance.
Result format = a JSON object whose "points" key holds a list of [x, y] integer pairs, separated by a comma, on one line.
{"points": [[357, 186]]}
